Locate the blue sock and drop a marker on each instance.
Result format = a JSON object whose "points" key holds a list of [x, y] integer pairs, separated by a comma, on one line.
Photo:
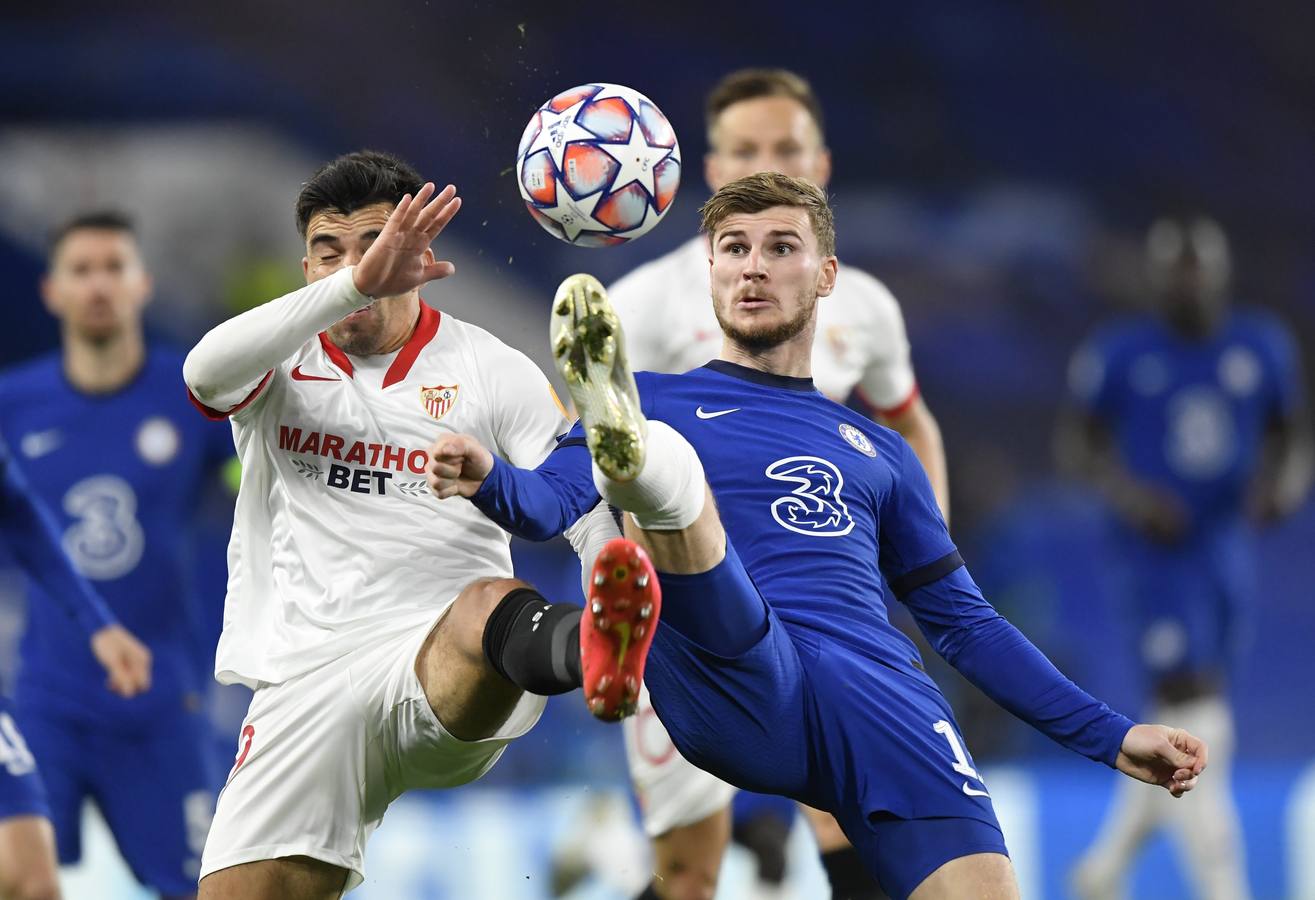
{"points": [[720, 609]]}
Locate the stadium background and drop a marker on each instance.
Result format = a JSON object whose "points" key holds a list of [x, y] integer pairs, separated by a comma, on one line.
{"points": [[995, 164]]}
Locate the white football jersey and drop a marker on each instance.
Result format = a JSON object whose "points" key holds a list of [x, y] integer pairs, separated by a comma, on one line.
{"points": [[666, 310], [337, 539]]}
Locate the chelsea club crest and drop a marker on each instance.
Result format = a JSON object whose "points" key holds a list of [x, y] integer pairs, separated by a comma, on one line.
{"points": [[857, 439]]}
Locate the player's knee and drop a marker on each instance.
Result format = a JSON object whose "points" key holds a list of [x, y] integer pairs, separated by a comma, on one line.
{"points": [[687, 884], [470, 613], [32, 884], [686, 875]]}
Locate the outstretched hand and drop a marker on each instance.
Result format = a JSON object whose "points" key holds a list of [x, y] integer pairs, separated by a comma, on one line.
{"points": [[458, 464], [1157, 754], [398, 261]]}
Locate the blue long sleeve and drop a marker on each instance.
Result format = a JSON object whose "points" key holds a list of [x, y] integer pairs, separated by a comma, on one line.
{"points": [[540, 504], [1008, 668], [33, 538]]}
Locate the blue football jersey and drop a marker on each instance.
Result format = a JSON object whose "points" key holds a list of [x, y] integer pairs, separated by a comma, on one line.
{"points": [[121, 473], [828, 517], [802, 486], [1190, 415]]}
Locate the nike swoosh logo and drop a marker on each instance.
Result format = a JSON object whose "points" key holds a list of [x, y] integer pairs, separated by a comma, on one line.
{"points": [[712, 415], [298, 375], [973, 792]]}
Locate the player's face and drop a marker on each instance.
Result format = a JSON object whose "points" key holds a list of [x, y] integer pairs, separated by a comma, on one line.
{"points": [[97, 285], [334, 240], [1189, 270], [766, 134], [767, 274]]}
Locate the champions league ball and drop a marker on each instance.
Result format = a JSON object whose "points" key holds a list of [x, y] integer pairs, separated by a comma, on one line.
{"points": [[598, 165]]}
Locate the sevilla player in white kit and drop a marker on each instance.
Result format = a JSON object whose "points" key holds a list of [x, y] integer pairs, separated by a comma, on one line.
{"points": [[758, 120], [388, 646]]}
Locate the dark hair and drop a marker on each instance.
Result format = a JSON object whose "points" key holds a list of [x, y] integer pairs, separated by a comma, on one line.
{"points": [[755, 193], [750, 84], [96, 220], [353, 181]]}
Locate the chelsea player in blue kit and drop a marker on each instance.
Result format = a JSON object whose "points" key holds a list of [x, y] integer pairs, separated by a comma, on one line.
{"points": [[109, 442], [771, 514], [27, 842], [1192, 425]]}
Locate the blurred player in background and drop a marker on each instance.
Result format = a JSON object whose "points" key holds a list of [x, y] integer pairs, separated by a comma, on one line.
{"points": [[388, 646], [1192, 425], [759, 120], [27, 839], [776, 666], [107, 440]]}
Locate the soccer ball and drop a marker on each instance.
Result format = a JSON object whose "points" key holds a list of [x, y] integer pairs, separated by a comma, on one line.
{"points": [[598, 165]]}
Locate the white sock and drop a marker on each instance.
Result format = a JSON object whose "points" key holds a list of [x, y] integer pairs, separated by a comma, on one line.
{"points": [[668, 495]]}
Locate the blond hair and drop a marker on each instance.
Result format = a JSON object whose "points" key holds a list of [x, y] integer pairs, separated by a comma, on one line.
{"points": [[755, 193]]}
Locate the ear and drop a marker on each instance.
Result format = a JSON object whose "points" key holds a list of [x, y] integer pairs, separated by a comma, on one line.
{"points": [[826, 276], [148, 287], [48, 297], [305, 268], [823, 167], [711, 171]]}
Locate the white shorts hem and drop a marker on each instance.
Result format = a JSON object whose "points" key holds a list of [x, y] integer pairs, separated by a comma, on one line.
{"points": [[355, 871], [717, 798]]}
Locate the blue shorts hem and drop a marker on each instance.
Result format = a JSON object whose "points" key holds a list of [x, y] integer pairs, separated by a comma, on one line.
{"points": [[26, 807], [901, 853], [917, 876]]}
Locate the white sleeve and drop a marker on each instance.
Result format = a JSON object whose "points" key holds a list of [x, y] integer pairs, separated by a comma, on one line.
{"points": [[527, 415], [588, 535], [637, 299], [233, 359], [887, 382]]}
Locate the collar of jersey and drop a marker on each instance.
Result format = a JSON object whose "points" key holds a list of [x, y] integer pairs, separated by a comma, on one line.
{"points": [[422, 334], [744, 373]]}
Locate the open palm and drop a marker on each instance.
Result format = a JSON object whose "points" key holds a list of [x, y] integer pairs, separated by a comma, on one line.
{"points": [[399, 259]]}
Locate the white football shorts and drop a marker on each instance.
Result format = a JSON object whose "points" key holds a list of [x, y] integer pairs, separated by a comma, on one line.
{"points": [[321, 756], [672, 791]]}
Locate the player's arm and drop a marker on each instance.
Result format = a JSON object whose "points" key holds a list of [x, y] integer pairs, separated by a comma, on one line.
{"points": [[1286, 468], [34, 538], [231, 364], [927, 573], [1287, 461], [535, 504], [889, 389], [1085, 448], [997, 658], [558, 497]]}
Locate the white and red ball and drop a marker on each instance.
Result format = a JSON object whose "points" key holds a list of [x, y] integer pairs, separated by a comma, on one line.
{"points": [[598, 165]]}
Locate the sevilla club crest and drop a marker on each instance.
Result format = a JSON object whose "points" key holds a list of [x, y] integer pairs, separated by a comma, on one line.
{"points": [[438, 400]]}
